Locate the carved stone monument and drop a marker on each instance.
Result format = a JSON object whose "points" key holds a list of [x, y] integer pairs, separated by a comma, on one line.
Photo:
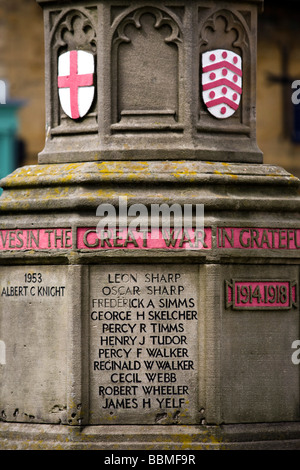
{"points": [[122, 339]]}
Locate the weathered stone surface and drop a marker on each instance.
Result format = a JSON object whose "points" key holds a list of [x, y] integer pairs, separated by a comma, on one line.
{"points": [[261, 436], [237, 286], [34, 303], [149, 103], [249, 370], [143, 323], [86, 185]]}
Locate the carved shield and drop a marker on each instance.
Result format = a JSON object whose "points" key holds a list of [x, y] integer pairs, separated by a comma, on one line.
{"points": [[221, 82], [75, 82]]}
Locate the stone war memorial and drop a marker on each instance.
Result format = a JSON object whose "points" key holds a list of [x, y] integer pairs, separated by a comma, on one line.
{"points": [[149, 288]]}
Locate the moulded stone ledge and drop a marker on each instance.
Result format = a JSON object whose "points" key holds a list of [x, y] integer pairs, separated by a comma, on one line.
{"points": [[219, 186], [261, 436], [82, 197], [148, 172]]}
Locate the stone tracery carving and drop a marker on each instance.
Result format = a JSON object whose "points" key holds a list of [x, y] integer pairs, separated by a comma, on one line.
{"points": [[161, 19], [224, 26], [74, 30], [71, 30], [228, 30], [158, 72]]}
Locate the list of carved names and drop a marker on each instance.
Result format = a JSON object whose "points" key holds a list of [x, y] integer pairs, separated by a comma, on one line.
{"points": [[143, 344]]}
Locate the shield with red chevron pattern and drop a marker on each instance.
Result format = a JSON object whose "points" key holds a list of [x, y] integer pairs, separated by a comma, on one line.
{"points": [[221, 82], [75, 82]]}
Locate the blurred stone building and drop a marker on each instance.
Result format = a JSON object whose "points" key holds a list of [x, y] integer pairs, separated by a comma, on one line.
{"points": [[22, 66], [278, 66], [278, 120]]}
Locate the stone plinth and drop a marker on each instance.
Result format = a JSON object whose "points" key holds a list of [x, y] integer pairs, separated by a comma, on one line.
{"points": [[148, 102], [138, 336], [226, 360]]}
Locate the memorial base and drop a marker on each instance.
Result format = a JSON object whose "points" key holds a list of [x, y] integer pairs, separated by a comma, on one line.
{"points": [[261, 436], [205, 355]]}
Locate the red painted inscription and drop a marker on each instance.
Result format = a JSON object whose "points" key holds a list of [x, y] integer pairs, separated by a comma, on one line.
{"points": [[36, 239], [260, 295], [258, 238]]}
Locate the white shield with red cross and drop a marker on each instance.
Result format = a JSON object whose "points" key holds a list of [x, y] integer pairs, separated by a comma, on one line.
{"points": [[221, 82], [75, 82]]}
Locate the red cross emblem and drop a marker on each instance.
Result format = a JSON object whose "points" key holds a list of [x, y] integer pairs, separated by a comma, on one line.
{"points": [[75, 82], [221, 82]]}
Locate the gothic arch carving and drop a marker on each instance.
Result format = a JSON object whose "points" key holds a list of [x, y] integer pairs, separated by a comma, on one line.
{"points": [[230, 31], [161, 19], [73, 29], [146, 45], [224, 29]]}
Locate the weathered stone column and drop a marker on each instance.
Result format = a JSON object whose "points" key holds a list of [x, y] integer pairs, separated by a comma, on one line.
{"points": [[148, 100], [135, 338]]}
